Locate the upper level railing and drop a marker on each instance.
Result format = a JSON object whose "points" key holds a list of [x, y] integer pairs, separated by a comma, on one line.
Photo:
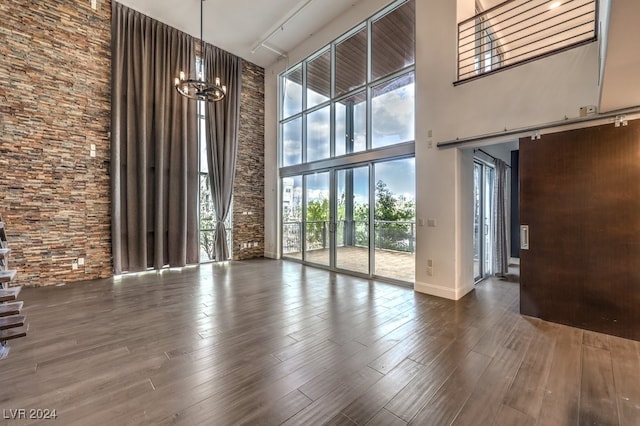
{"points": [[519, 31]]}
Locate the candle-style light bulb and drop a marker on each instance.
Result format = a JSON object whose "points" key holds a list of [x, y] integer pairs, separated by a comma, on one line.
{"points": [[182, 75], [224, 89], [218, 81], [177, 81]]}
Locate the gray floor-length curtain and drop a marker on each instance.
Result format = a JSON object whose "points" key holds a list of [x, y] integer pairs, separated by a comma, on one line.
{"points": [[222, 123], [154, 147], [500, 239]]}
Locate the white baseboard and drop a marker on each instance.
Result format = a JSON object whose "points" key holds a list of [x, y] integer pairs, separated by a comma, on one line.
{"points": [[270, 255], [444, 292]]}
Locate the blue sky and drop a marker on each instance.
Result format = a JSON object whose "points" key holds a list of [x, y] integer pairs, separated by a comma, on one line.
{"points": [[392, 121]]}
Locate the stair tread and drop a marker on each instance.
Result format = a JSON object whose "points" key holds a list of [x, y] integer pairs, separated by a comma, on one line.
{"points": [[13, 333], [8, 275], [12, 322], [12, 308], [9, 294]]}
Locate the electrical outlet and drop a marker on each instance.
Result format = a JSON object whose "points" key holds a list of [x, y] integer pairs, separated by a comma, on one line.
{"points": [[80, 261], [74, 265], [588, 110]]}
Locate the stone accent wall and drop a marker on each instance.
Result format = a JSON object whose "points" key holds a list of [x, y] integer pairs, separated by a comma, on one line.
{"points": [[54, 103], [248, 198]]}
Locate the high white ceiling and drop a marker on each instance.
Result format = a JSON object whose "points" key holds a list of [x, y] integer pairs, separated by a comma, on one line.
{"points": [[238, 26]]}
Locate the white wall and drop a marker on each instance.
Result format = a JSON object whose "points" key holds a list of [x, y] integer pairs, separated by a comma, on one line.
{"points": [[540, 92], [543, 91], [620, 88]]}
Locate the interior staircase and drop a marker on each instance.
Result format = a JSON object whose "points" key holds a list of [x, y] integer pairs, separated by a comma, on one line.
{"points": [[12, 323]]}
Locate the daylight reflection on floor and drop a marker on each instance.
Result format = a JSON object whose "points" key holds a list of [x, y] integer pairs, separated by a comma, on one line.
{"points": [[390, 264]]}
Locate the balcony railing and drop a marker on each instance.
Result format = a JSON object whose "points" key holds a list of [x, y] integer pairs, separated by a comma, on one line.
{"points": [[207, 243], [389, 235], [519, 31]]}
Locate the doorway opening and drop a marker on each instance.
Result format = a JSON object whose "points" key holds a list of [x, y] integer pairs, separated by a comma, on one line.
{"points": [[483, 220]]}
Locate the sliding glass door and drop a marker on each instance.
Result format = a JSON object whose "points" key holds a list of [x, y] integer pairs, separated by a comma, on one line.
{"points": [[394, 213], [317, 219], [477, 221], [352, 220], [483, 221], [292, 210], [359, 219]]}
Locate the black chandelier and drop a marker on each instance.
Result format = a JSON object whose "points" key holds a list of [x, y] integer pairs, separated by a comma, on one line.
{"points": [[198, 88]]}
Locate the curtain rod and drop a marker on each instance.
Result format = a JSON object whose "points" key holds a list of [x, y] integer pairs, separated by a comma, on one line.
{"points": [[486, 153]]}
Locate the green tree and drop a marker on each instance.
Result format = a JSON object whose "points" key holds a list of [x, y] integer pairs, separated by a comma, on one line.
{"points": [[393, 216], [361, 218], [207, 218], [317, 218]]}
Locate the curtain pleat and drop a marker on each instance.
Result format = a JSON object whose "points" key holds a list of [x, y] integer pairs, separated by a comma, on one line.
{"points": [[500, 237], [154, 146], [222, 124]]}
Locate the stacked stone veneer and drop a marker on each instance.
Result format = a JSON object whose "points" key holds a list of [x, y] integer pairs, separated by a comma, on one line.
{"points": [[54, 103], [248, 198]]}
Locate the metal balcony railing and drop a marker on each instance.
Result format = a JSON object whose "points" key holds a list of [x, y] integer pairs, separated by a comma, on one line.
{"points": [[207, 243], [519, 31], [389, 235]]}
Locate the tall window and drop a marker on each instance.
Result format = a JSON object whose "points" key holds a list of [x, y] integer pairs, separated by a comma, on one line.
{"points": [[353, 99], [487, 51], [207, 211], [354, 95]]}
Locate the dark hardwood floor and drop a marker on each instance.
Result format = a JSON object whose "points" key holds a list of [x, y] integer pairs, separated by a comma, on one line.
{"points": [[272, 342]]}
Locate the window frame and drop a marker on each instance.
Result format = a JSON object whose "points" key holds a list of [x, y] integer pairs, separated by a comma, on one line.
{"points": [[367, 88], [201, 118]]}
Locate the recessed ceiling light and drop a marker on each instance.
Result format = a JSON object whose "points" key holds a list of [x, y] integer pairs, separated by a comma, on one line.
{"points": [[554, 5]]}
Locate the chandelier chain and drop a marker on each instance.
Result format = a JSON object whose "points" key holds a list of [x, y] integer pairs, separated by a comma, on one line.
{"points": [[198, 88]]}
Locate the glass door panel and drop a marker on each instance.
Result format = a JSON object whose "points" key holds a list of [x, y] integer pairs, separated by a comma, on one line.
{"points": [[483, 186], [477, 221], [352, 221], [317, 216], [394, 219], [488, 220], [292, 217]]}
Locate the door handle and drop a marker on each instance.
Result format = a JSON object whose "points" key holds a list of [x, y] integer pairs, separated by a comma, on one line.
{"points": [[524, 237]]}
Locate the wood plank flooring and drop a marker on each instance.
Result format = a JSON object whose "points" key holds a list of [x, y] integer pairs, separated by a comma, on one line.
{"points": [[274, 342]]}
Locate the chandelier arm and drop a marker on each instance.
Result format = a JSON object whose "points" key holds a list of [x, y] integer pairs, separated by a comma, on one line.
{"points": [[198, 88]]}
